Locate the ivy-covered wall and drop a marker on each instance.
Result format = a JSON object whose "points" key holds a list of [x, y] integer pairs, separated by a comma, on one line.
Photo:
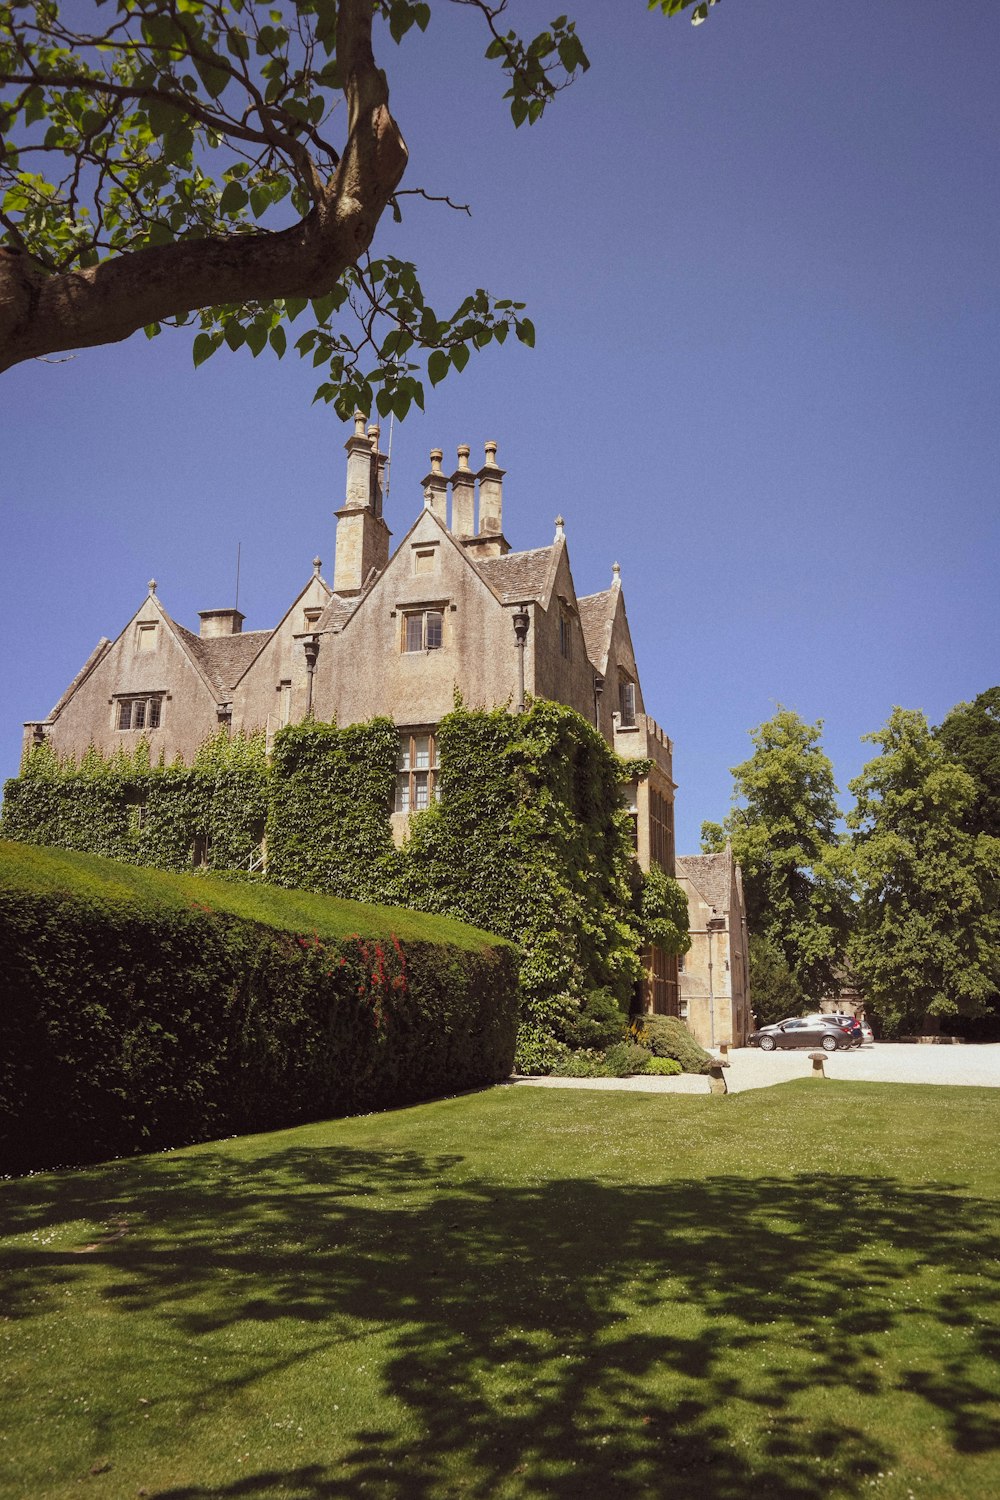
{"points": [[530, 838], [127, 808]]}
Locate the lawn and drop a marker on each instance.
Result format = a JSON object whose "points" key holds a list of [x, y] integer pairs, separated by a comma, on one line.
{"points": [[783, 1294]]}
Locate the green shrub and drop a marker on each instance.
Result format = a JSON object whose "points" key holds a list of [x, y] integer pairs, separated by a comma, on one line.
{"points": [[584, 1063], [537, 1051], [664, 1067], [669, 1037], [599, 1022], [624, 1059], [133, 1021]]}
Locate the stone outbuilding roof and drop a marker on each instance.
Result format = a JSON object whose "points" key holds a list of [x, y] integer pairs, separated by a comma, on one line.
{"points": [[710, 874]]}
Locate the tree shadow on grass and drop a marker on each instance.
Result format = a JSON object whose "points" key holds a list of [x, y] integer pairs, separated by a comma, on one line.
{"points": [[570, 1338]]}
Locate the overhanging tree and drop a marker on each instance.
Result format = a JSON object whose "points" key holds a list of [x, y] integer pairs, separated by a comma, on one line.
{"points": [[230, 161], [783, 833], [927, 940]]}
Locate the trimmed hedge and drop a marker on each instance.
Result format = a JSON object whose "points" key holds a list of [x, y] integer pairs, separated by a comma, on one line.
{"points": [[132, 1022]]}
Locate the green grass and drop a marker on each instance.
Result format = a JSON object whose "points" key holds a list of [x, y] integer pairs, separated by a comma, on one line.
{"points": [[48, 871], [787, 1294]]}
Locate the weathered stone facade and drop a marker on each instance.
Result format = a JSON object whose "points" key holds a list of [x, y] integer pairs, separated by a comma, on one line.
{"points": [[715, 972], [398, 634]]}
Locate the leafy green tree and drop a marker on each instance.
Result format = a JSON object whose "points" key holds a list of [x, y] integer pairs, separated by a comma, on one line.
{"points": [[971, 736], [783, 833], [229, 161], [774, 990], [927, 941]]}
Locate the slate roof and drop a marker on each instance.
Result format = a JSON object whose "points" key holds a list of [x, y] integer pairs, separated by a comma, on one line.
{"points": [[710, 874], [518, 576], [223, 658], [597, 613]]}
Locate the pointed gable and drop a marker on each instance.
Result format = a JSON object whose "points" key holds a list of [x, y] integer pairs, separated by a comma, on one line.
{"points": [[711, 875], [597, 617]]}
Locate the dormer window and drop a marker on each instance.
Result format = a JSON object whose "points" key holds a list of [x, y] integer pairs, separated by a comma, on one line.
{"points": [[139, 713], [423, 630]]}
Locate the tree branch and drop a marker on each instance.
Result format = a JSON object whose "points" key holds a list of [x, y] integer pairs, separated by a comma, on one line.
{"points": [[44, 313]]}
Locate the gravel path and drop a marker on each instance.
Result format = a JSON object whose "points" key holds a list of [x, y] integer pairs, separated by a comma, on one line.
{"points": [[749, 1068]]}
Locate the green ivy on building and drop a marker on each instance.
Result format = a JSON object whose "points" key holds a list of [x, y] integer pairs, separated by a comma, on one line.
{"points": [[529, 838]]}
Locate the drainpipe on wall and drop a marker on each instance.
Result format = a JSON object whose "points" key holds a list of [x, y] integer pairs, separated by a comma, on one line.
{"points": [[521, 621], [713, 925], [598, 690], [312, 652]]}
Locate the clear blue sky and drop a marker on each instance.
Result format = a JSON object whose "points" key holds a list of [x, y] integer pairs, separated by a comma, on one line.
{"points": [[763, 259]]}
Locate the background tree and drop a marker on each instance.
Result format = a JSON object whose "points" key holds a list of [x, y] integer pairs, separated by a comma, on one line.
{"points": [[783, 833], [231, 159], [927, 940], [971, 736], [774, 991]]}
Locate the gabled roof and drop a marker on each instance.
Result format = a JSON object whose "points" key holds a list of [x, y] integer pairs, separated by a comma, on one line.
{"points": [[519, 577], [597, 616], [710, 874], [223, 658], [338, 611], [97, 655]]}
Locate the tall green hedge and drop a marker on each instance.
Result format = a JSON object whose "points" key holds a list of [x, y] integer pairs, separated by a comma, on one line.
{"points": [[131, 1022]]}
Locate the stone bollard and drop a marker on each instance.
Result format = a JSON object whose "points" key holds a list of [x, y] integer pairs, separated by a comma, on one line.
{"points": [[716, 1077], [817, 1059]]}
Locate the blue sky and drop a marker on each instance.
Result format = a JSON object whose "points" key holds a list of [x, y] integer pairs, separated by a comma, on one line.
{"points": [[763, 260]]}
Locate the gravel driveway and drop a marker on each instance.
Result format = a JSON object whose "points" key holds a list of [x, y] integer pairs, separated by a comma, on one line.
{"points": [[749, 1068]]}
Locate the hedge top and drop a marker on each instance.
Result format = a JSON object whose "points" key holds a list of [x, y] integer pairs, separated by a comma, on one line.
{"points": [[90, 877]]}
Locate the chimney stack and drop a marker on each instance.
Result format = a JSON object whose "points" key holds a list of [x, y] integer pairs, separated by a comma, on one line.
{"points": [[214, 622], [362, 535], [436, 487], [490, 494], [463, 496]]}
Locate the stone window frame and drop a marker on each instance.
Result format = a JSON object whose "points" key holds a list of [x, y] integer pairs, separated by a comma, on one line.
{"points": [[626, 700], [417, 785], [138, 712], [661, 830], [146, 631], [430, 638]]}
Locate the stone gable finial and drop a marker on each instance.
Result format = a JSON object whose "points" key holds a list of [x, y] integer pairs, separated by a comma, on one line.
{"points": [[560, 529], [151, 585], [616, 571], [317, 564]]}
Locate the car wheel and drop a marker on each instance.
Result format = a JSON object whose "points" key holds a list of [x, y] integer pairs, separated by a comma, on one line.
{"points": [[767, 1044], [829, 1044]]}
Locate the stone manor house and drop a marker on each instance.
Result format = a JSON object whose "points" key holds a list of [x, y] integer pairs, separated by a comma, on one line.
{"points": [[395, 634]]}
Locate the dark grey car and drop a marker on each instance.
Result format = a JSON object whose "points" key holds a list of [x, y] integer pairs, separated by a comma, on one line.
{"points": [[799, 1031]]}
